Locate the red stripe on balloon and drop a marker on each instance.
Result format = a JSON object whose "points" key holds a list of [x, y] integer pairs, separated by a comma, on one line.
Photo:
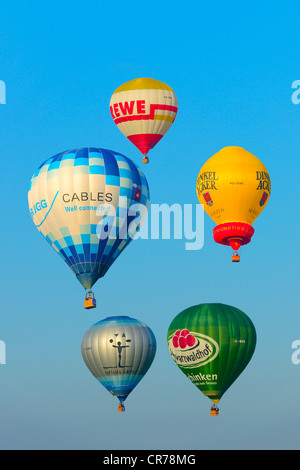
{"points": [[145, 142], [140, 117]]}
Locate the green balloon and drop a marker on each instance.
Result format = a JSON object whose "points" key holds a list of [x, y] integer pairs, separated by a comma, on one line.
{"points": [[212, 344]]}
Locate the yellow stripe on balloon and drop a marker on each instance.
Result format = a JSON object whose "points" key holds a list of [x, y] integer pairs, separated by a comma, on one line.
{"points": [[164, 118], [143, 84]]}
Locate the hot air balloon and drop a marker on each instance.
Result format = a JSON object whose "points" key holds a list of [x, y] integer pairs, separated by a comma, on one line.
{"points": [[234, 187], [212, 344], [118, 351], [88, 203], [144, 110]]}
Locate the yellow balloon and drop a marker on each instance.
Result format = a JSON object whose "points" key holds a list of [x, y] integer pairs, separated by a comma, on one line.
{"points": [[234, 187]]}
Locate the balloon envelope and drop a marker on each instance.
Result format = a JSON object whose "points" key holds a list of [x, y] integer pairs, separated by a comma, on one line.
{"points": [[144, 110], [212, 344], [84, 202], [234, 187], [118, 351]]}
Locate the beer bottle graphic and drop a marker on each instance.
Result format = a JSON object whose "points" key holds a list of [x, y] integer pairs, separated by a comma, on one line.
{"points": [[208, 199], [263, 198]]}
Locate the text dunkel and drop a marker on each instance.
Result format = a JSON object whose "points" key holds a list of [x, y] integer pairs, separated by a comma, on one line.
{"points": [[207, 180], [264, 180]]}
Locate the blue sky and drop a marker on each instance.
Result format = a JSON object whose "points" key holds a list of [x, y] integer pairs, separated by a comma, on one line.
{"points": [[232, 67]]}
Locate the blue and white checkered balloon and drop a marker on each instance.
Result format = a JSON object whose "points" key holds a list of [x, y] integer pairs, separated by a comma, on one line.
{"points": [[88, 204]]}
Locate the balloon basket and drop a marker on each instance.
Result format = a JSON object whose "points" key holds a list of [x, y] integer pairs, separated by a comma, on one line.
{"points": [[235, 257], [214, 411], [121, 407], [145, 159], [89, 301]]}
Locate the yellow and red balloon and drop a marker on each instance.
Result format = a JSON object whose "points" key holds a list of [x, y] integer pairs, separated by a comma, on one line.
{"points": [[234, 187]]}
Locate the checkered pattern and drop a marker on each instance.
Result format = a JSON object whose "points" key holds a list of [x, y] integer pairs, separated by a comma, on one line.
{"points": [[77, 237]]}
